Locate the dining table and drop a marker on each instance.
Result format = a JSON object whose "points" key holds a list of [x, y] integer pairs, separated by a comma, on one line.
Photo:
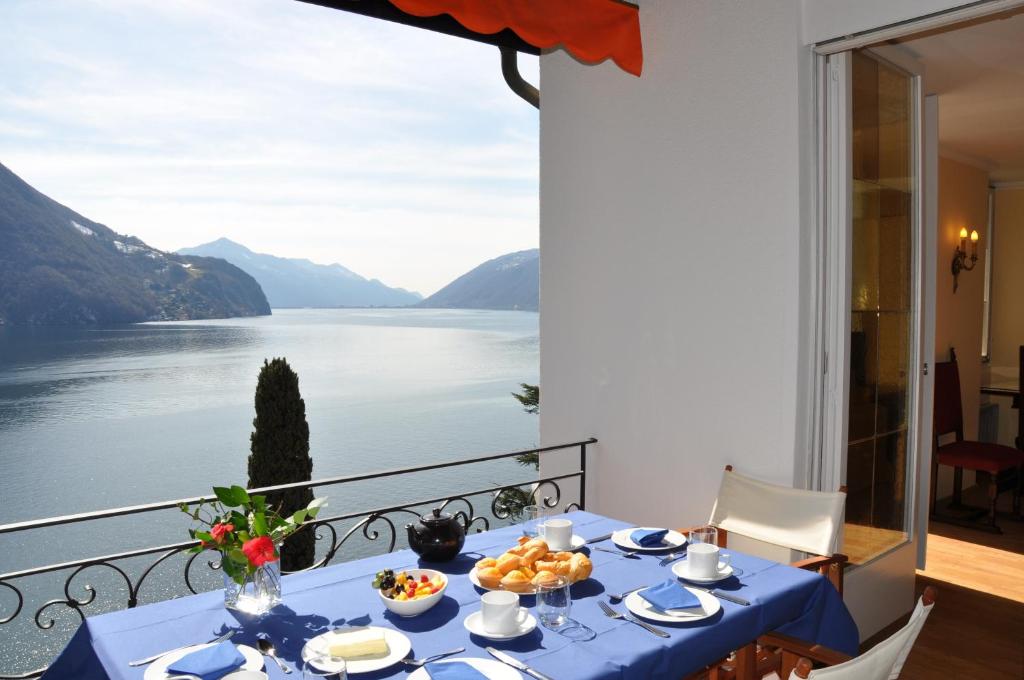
{"points": [[781, 598]]}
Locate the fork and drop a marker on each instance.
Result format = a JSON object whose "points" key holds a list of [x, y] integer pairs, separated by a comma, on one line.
{"points": [[612, 614], [616, 597], [630, 554], [420, 662]]}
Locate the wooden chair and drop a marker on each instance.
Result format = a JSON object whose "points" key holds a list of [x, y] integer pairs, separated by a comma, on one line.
{"points": [[998, 466], [882, 662], [1016, 399], [764, 519]]}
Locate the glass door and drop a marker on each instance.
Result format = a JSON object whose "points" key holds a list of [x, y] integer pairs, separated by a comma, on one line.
{"points": [[883, 320]]}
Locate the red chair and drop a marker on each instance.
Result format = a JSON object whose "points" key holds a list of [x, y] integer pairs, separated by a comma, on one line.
{"points": [[998, 466]]}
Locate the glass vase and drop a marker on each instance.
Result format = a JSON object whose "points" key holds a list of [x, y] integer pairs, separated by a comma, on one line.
{"points": [[259, 592]]}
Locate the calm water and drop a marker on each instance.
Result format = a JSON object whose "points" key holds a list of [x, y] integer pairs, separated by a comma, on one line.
{"points": [[91, 419]]}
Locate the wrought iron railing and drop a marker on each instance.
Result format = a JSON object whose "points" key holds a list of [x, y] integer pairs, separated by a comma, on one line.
{"points": [[375, 524]]}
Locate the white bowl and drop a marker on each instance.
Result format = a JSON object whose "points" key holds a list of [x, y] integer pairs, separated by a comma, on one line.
{"points": [[416, 607]]}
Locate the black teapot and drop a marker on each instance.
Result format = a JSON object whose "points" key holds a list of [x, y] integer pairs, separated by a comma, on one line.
{"points": [[438, 537]]}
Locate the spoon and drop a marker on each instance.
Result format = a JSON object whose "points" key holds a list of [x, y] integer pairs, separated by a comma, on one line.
{"points": [[266, 648]]}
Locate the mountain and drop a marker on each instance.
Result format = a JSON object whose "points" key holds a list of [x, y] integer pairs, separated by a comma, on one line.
{"points": [[508, 282], [301, 283], [60, 268]]}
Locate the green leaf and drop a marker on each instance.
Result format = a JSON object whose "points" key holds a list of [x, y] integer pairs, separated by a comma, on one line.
{"points": [[240, 495], [299, 516], [259, 524], [237, 556], [203, 536], [225, 496], [315, 505], [259, 503]]}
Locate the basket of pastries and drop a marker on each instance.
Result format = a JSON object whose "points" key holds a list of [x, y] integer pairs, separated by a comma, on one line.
{"points": [[531, 563]]}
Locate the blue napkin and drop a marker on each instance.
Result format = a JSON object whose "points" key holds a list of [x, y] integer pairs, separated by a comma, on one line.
{"points": [[209, 663], [453, 670], [670, 595], [648, 538]]}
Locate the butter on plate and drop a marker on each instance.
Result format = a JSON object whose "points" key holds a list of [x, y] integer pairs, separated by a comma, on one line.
{"points": [[359, 643]]}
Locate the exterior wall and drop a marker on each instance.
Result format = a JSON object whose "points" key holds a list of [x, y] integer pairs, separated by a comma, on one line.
{"points": [[963, 202], [671, 212]]}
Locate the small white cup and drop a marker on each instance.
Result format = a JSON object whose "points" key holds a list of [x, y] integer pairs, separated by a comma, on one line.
{"points": [[557, 533], [500, 612], [706, 560]]}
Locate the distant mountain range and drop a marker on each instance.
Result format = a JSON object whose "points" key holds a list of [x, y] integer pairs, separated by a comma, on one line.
{"points": [[300, 283], [60, 268], [508, 282]]}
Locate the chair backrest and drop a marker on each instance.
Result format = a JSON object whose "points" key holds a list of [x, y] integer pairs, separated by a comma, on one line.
{"points": [[949, 412], [807, 521], [885, 660]]}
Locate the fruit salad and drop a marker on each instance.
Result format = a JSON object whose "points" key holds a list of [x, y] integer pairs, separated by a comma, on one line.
{"points": [[404, 586]]}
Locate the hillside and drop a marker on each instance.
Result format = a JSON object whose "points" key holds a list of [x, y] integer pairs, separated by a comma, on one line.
{"points": [[300, 283], [60, 268], [508, 282]]}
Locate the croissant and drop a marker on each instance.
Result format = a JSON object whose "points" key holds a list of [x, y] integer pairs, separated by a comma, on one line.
{"points": [[544, 577], [533, 554], [489, 577], [580, 567], [508, 562], [560, 567], [517, 582], [558, 556], [486, 562]]}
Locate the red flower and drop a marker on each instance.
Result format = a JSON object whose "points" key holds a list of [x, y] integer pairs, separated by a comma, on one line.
{"points": [[260, 550], [220, 532]]}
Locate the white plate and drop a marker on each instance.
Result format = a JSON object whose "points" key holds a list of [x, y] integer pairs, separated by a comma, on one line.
{"points": [[399, 647], [575, 543], [682, 570], [158, 669], [672, 540], [475, 625], [475, 581], [494, 670], [709, 606]]}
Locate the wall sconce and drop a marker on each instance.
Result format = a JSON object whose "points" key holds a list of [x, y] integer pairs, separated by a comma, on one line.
{"points": [[960, 259]]}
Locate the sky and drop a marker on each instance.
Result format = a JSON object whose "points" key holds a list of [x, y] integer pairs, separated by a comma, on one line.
{"points": [[293, 129]]}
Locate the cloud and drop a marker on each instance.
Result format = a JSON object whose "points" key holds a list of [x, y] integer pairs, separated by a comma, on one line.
{"points": [[292, 128]]}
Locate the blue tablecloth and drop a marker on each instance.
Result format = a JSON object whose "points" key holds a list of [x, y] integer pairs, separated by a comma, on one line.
{"points": [[783, 599]]}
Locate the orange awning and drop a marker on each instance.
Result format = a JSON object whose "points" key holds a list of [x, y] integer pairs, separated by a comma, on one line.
{"points": [[590, 30]]}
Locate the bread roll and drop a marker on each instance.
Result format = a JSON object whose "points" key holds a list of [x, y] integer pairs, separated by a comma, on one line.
{"points": [[487, 562], [508, 562], [489, 577], [517, 582]]}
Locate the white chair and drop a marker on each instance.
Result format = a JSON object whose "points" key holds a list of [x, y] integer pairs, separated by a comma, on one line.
{"points": [[884, 661], [764, 519]]}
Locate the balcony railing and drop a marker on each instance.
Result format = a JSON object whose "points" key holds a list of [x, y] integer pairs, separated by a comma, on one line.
{"points": [[132, 569]]}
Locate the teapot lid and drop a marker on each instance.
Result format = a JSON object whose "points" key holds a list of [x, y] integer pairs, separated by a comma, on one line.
{"points": [[436, 518]]}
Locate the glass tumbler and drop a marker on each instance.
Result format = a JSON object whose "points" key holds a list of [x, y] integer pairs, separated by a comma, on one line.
{"points": [[706, 534], [532, 517], [310, 672], [554, 602]]}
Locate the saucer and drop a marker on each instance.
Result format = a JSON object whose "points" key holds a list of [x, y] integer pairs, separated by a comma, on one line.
{"points": [[475, 625], [682, 570], [575, 543]]}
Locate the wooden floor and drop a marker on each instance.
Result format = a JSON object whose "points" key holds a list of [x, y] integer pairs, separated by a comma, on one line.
{"points": [[977, 627]]}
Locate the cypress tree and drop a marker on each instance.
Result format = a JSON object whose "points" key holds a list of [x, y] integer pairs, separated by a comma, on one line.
{"points": [[279, 454]]}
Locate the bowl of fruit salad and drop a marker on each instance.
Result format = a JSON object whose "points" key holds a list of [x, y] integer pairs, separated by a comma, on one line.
{"points": [[410, 592]]}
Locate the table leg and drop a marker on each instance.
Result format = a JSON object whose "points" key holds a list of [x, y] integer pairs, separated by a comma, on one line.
{"points": [[746, 662], [958, 487]]}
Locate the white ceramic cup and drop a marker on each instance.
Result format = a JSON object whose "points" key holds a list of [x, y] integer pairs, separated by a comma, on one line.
{"points": [[500, 612], [557, 533], [706, 560]]}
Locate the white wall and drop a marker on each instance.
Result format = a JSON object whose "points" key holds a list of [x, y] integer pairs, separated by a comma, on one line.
{"points": [[828, 19], [671, 212]]}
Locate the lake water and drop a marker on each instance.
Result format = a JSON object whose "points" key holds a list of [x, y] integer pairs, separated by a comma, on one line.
{"points": [[99, 418]]}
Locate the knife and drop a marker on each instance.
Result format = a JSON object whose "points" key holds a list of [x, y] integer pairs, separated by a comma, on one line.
{"points": [[151, 659], [722, 596], [517, 664], [598, 539]]}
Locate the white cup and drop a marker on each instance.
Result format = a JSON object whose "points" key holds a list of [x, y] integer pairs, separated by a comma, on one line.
{"points": [[704, 559], [500, 612], [557, 533]]}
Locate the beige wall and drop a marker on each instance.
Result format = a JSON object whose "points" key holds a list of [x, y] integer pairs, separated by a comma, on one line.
{"points": [[1007, 283], [963, 202]]}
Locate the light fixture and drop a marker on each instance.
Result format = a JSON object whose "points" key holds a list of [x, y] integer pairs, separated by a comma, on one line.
{"points": [[960, 259]]}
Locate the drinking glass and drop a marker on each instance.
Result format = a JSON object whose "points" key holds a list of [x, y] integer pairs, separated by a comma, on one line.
{"points": [[309, 672], [554, 602], [706, 534], [533, 515]]}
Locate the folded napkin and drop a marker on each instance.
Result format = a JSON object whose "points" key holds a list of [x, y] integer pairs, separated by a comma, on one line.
{"points": [[209, 663], [648, 538], [453, 670], [670, 595]]}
